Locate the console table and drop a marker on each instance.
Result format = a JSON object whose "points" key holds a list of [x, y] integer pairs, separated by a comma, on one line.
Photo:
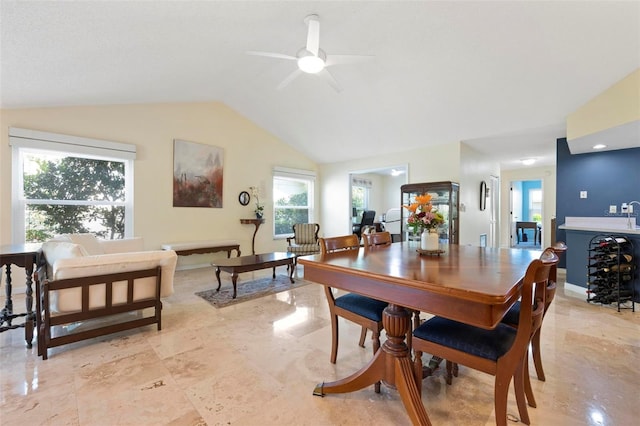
{"points": [[257, 223], [520, 229], [24, 256]]}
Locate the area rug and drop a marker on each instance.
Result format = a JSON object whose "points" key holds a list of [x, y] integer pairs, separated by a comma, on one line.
{"points": [[249, 290]]}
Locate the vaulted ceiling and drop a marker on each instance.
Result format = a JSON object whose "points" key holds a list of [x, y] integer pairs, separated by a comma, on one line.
{"points": [[501, 76]]}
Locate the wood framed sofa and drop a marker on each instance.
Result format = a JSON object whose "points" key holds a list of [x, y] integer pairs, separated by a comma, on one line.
{"points": [[86, 287]]}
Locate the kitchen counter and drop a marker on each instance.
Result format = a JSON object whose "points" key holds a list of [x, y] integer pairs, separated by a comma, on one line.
{"points": [[606, 225], [579, 232]]}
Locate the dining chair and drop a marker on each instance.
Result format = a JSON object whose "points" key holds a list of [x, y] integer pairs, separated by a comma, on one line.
{"points": [[499, 351], [376, 239], [513, 315], [362, 310]]}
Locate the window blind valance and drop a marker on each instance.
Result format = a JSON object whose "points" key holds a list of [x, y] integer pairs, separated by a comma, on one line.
{"points": [[294, 173], [361, 182], [35, 139]]}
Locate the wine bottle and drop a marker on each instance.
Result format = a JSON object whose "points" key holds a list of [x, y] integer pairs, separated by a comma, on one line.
{"points": [[623, 267], [627, 257]]}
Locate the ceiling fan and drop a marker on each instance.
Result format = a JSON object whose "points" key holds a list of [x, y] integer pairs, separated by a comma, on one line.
{"points": [[313, 60]]}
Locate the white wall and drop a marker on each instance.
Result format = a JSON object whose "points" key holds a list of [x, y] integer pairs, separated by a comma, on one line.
{"points": [[435, 163], [474, 168], [392, 191], [250, 153]]}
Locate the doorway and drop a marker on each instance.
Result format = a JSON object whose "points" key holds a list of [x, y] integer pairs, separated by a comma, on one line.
{"points": [[376, 189], [526, 214]]}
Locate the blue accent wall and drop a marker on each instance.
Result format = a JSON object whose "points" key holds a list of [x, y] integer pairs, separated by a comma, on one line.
{"points": [[528, 185], [610, 178]]}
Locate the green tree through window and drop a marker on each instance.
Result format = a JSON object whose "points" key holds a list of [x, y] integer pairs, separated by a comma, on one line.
{"points": [[71, 194], [293, 201]]}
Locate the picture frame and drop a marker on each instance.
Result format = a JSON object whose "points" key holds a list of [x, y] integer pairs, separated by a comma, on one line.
{"points": [[197, 174]]}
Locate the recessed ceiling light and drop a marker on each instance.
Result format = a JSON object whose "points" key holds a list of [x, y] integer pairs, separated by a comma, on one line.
{"points": [[599, 146], [395, 172], [528, 161]]}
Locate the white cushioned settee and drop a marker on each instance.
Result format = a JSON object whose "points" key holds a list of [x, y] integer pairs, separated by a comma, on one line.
{"points": [[83, 279]]}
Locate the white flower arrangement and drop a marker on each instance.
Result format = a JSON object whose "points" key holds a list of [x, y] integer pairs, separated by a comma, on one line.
{"points": [[255, 192]]}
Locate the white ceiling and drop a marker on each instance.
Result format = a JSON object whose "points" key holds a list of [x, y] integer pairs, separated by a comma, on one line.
{"points": [[501, 76]]}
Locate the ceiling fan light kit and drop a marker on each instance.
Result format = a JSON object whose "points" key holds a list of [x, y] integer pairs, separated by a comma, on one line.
{"points": [[310, 63], [311, 59]]}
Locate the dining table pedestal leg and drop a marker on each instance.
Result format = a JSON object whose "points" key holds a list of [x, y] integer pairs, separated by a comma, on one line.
{"points": [[391, 364]]}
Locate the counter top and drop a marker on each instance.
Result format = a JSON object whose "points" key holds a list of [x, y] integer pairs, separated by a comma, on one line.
{"points": [[607, 225], [601, 229]]}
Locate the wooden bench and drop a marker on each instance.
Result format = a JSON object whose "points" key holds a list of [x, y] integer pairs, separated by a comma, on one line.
{"points": [[203, 247]]}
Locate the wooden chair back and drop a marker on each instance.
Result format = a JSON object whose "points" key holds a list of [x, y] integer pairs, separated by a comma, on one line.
{"points": [[344, 242], [377, 239]]}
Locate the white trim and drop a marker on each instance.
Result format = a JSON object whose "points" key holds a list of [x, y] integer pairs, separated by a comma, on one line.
{"points": [[17, 198], [25, 138], [295, 173], [574, 290], [307, 176]]}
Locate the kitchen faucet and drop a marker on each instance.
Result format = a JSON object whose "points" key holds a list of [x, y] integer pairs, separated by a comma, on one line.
{"points": [[629, 213]]}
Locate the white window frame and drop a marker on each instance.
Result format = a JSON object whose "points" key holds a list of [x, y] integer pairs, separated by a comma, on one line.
{"points": [[535, 206], [307, 176], [25, 140]]}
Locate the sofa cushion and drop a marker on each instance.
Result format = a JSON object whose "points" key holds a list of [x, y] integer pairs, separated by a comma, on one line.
{"points": [[88, 241], [70, 299], [55, 250], [124, 245]]}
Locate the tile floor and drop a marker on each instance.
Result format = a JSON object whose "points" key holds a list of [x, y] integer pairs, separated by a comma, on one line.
{"points": [[257, 363]]}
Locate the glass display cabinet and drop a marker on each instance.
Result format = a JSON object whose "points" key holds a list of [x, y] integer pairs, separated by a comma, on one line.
{"points": [[445, 198]]}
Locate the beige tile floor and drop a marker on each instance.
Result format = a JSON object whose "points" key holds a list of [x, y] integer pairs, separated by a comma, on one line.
{"points": [[257, 363]]}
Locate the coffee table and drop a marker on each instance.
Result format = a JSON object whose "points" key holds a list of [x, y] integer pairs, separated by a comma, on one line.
{"points": [[236, 265]]}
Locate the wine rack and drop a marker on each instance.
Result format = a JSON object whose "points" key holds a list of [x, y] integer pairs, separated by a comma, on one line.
{"points": [[611, 269]]}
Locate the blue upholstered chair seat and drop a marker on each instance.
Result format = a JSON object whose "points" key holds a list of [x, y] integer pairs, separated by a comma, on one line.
{"points": [[362, 305], [513, 314], [489, 344]]}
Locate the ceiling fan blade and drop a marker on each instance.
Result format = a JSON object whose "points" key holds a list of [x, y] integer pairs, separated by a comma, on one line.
{"points": [[330, 79], [347, 59], [313, 35], [272, 55], [289, 79]]}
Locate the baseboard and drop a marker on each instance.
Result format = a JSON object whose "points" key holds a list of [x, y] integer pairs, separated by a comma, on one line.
{"points": [[193, 266], [574, 290]]}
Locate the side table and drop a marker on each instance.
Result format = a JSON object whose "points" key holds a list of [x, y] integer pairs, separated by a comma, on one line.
{"points": [[257, 223], [24, 256]]}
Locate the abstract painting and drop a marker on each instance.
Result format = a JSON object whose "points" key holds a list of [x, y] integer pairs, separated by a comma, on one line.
{"points": [[197, 174]]}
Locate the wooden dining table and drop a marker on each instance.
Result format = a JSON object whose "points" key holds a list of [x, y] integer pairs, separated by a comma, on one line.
{"points": [[474, 285]]}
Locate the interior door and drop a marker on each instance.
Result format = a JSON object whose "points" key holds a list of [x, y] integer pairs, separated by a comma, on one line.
{"points": [[515, 210]]}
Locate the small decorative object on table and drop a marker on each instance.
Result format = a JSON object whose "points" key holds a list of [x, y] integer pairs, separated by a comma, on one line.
{"points": [[424, 219], [259, 211]]}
